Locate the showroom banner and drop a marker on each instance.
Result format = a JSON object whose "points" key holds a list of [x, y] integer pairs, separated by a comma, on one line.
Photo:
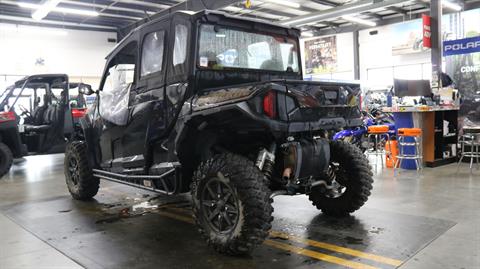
{"points": [[407, 38], [462, 61], [427, 31], [461, 46], [321, 55]]}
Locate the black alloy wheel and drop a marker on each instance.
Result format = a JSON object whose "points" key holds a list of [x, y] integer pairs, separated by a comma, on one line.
{"points": [[73, 170], [220, 204]]}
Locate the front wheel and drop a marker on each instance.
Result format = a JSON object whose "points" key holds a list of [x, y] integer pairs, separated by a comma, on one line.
{"points": [[81, 183], [231, 204], [351, 180], [6, 159]]}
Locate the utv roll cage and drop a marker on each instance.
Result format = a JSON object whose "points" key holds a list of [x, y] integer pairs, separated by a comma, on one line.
{"points": [[34, 81]]}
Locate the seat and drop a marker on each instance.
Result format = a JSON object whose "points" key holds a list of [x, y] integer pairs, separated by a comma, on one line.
{"points": [[470, 139], [381, 139], [409, 138], [45, 123], [29, 128], [378, 129]]}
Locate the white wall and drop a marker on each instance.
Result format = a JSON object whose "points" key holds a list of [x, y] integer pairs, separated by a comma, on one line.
{"points": [[80, 54], [344, 58], [377, 64]]}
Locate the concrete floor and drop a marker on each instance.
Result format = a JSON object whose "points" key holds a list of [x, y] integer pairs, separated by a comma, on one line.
{"points": [[426, 220]]}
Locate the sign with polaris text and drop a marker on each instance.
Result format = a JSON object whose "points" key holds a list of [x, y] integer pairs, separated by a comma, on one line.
{"points": [[427, 32], [461, 46]]}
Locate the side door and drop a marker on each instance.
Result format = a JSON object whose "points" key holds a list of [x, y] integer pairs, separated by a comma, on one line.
{"points": [[114, 102], [146, 107], [179, 68]]}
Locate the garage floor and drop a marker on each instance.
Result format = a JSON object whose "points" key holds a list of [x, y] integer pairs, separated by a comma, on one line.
{"points": [[427, 220]]}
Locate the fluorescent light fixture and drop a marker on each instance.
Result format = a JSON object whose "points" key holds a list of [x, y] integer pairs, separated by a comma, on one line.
{"points": [[359, 21], [38, 16], [44, 9], [307, 34], [451, 5], [284, 3], [321, 15]]}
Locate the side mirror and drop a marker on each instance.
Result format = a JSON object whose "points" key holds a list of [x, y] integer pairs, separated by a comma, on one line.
{"points": [[85, 89]]}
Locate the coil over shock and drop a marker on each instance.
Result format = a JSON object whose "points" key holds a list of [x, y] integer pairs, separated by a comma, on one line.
{"points": [[266, 160]]}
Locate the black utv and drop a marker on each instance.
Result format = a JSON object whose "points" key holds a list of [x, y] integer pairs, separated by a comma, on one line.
{"points": [[37, 114], [215, 104]]}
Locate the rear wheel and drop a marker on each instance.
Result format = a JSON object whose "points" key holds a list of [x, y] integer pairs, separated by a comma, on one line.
{"points": [[231, 204], [81, 183], [351, 180], [6, 159]]}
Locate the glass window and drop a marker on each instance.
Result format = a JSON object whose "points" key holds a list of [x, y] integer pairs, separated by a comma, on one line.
{"points": [[115, 94], [227, 48], [57, 95], [152, 53], [180, 46], [118, 76]]}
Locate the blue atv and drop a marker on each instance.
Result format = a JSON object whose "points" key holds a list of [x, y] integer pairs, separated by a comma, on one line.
{"points": [[359, 135]]}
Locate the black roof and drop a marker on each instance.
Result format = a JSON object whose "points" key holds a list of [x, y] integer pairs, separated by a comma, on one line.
{"points": [[42, 79], [198, 15]]}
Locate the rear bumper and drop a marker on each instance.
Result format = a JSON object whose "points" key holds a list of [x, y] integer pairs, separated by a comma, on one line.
{"points": [[278, 127]]}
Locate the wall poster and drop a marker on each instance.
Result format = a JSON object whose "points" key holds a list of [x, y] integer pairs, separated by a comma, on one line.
{"points": [[321, 55]]}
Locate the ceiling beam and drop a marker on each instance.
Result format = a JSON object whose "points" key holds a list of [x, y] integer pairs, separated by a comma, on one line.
{"points": [[30, 21], [193, 5], [357, 7], [143, 3], [398, 10], [373, 15], [326, 3], [417, 14]]}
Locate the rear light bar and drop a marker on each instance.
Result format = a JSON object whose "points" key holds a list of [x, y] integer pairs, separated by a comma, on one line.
{"points": [[7, 116], [78, 113], [270, 104]]}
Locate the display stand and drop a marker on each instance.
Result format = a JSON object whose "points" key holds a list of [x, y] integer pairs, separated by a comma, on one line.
{"points": [[435, 144]]}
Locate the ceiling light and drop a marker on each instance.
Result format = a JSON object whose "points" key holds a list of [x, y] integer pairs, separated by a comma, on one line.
{"points": [[44, 9], [359, 21], [322, 14], [57, 9], [307, 34], [450, 5], [76, 11], [284, 3]]}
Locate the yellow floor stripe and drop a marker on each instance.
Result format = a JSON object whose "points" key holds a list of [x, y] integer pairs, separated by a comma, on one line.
{"points": [[317, 255], [339, 249], [299, 250], [175, 216]]}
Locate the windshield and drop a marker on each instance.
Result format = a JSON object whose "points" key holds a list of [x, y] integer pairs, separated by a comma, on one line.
{"points": [[221, 48]]}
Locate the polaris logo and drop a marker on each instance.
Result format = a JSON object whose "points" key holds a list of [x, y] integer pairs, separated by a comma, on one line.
{"points": [[461, 46], [469, 45]]}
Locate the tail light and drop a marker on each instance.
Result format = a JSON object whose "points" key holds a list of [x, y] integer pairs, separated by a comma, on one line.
{"points": [[78, 112], [270, 104], [7, 116]]}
